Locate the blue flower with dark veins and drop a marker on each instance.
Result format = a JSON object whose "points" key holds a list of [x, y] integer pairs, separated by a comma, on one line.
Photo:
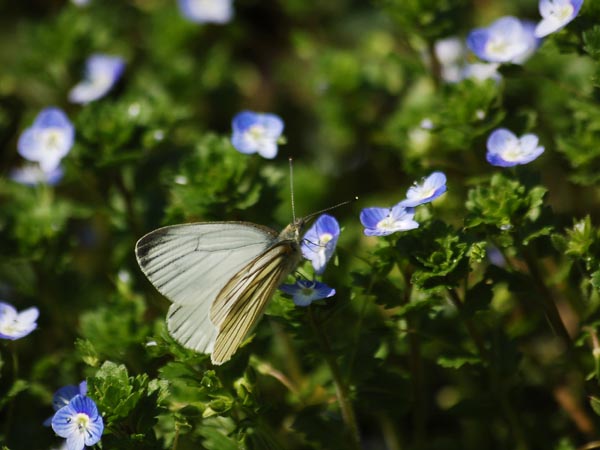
{"points": [[318, 243]]}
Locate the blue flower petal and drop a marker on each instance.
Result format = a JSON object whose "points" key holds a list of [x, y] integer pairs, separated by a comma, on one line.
{"points": [[31, 175], [207, 11], [556, 14], [102, 72], [370, 217], [64, 395]]}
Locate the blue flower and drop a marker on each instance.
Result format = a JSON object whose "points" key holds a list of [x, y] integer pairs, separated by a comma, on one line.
{"points": [[207, 11], [15, 325], [319, 242], [506, 150], [101, 73], [31, 175], [64, 395], [304, 292], [429, 189], [79, 422], [507, 40], [555, 15], [48, 140], [256, 133], [385, 221]]}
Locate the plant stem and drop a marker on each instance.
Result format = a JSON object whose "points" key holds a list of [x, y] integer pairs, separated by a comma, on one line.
{"points": [[496, 381], [473, 332], [547, 300], [341, 389], [15, 375], [176, 438]]}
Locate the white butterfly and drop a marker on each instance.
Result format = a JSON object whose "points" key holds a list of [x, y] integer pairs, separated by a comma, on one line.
{"points": [[219, 277]]}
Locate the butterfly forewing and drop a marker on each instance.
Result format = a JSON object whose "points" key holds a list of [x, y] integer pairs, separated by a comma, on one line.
{"points": [[242, 301], [191, 264]]}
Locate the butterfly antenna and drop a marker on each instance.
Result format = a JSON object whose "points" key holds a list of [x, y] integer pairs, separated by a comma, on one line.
{"points": [[291, 161], [310, 216]]}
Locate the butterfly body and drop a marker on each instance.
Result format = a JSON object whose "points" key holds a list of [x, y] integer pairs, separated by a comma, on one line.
{"points": [[219, 277]]}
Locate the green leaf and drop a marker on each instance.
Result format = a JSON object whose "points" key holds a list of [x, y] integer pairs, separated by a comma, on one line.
{"points": [[458, 361], [595, 404], [16, 388]]}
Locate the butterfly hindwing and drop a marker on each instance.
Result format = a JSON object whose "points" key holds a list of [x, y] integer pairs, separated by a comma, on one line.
{"points": [[190, 264], [242, 301]]}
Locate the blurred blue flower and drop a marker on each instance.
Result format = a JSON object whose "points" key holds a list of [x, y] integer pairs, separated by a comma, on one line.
{"points": [[385, 221], [32, 175], [101, 73], [79, 422], [555, 15], [451, 53], [507, 40], [506, 150], [429, 189], [48, 140], [15, 325], [318, 243], [207, 11], [481, 71], [256, 133], [64, 395], [304, 292]]}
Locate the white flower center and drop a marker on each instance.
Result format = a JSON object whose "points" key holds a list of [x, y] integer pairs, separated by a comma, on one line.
{"points": [[53, 138], [561, 12], [498, 46], [513, 152], [257, 134], [325, 238], [10, 328], [307, 292], [388, 223], [101, 81], [82, 421]]}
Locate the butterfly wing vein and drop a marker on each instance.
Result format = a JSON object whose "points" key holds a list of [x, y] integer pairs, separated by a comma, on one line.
{"points": [[244, 298]]}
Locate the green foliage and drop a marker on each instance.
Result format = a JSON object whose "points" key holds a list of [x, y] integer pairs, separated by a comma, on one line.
{"points": [[479, 329]]}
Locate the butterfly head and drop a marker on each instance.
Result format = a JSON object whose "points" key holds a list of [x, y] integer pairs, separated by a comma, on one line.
{"points": [[293, 231]]}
